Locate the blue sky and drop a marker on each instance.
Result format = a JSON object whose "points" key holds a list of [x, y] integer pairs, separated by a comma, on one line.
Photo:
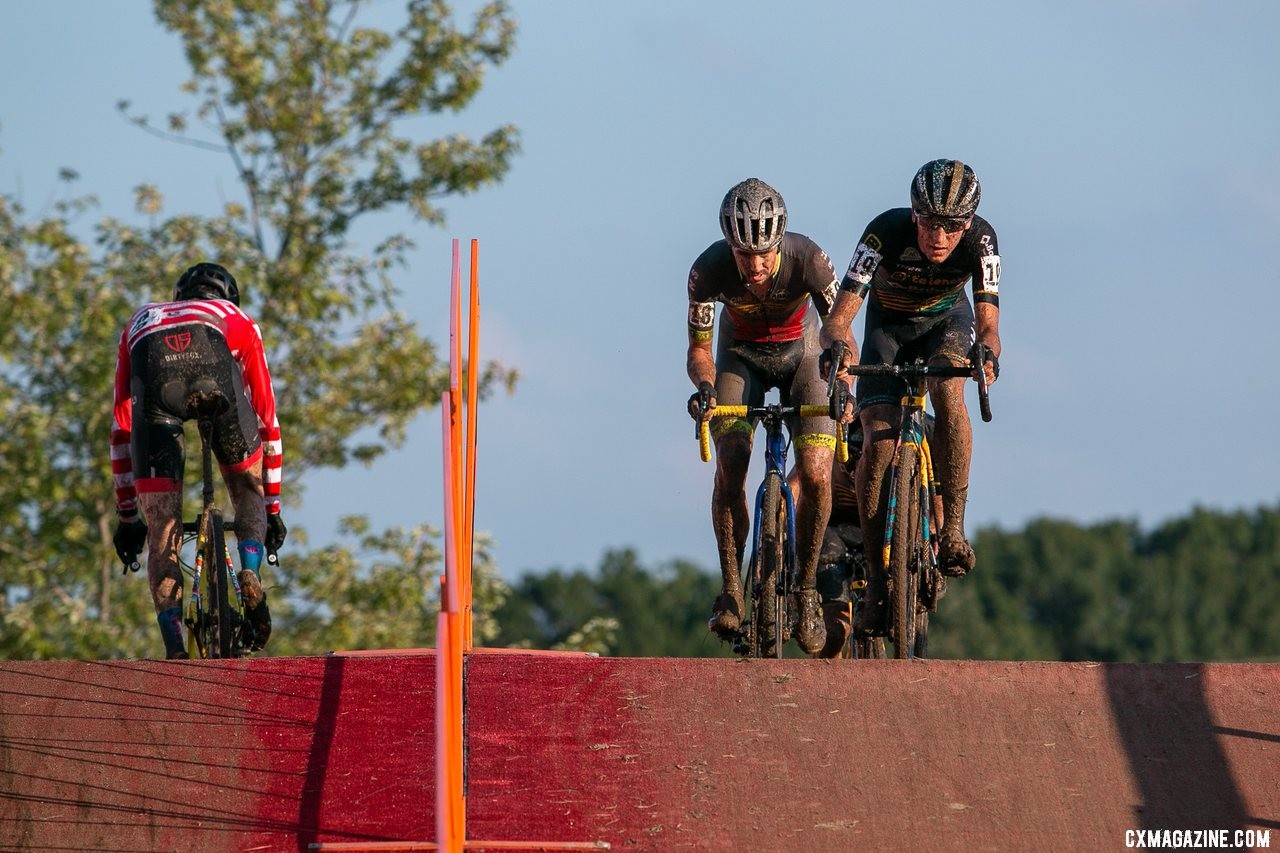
{"points": [[1129, 152]]}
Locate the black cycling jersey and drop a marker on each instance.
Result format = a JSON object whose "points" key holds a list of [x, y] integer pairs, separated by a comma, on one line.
{"points": [[888, 261]]}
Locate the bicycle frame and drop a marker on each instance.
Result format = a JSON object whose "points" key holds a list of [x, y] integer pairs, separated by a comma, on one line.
{"points": [[776, 443], [210, 531], [775, 456], [917, 582]]}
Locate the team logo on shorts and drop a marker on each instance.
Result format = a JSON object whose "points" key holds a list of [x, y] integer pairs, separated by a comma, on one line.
{"points": [[178, 341]]}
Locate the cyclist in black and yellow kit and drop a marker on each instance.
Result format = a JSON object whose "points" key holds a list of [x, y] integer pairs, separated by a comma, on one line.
{"points": [[911, 267], [765, 277]]}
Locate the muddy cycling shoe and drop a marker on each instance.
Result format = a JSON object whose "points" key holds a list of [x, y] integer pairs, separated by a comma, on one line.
{"points": [[811, 631], [255, 608], [178, 656], [872, 610], [839, 622], [955, 556], [726, 615]]}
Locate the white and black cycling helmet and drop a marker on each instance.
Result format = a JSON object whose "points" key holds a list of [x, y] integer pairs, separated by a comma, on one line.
{"points": [[207, 281], [946, 189], [753, 217]]}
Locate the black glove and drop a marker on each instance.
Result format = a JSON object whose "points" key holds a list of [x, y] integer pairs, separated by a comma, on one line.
{"points": [[828, 356], [130, 539], [982, 352], [276, 532], [702, 399]]}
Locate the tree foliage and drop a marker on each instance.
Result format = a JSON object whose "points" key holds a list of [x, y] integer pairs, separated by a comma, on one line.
{"points": [[1203, 587], [309, 107]]}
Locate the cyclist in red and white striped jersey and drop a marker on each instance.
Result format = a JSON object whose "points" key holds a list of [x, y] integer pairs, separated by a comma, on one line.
{"points": [[199, 355]]}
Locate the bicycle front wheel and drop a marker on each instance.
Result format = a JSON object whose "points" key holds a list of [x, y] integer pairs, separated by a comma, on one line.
{"points": [[905, 526], [221, 636], [769, 612]]}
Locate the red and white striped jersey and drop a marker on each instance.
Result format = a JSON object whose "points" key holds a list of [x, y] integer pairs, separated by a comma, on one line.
{"points": [[244, 339]]}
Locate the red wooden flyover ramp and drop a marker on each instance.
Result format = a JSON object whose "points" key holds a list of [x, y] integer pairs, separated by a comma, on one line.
{"points": [[641, 754]]}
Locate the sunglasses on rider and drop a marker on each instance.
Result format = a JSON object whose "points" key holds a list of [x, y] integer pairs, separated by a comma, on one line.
{"points": [[949, 224]]}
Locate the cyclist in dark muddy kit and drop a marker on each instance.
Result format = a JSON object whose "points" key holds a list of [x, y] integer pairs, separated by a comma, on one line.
{"points": [[197, 355], [766, 278], [911, 267]]}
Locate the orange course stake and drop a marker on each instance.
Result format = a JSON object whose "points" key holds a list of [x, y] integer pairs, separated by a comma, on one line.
{"points": [[453, 629], [451, 805], [473, 382], [450, 799]]}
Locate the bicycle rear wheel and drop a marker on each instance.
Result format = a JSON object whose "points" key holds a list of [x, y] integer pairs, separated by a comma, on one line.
{"points": [[769, 611], [221, 632], [905, 524]]}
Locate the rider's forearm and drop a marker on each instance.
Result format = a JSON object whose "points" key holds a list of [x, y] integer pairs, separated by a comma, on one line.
{"points": [[701, 364], [839, 323], [987, 326]]}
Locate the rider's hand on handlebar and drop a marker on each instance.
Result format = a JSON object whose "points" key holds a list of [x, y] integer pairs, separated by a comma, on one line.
{"points": [[276, 532], [990, 362], [702, 401], [827, 356], [838, 390], [130, 538]]}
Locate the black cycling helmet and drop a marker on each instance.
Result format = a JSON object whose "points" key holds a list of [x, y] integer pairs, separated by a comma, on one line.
{"points": [[945, 188], [207, 281], [753, 217]]}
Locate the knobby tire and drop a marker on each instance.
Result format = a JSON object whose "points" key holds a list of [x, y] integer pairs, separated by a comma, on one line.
{"points": [[920, 646], [902, 550], [221, 636], [922, 570], [770, 607]]}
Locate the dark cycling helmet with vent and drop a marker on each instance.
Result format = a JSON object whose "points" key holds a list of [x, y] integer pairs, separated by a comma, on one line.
{"points": [[945, 188], [753, 217], [207, 281]]}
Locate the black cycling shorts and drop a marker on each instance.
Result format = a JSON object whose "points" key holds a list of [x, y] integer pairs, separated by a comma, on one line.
{"points": [[745, 370], [179, 375], [892, 338]]}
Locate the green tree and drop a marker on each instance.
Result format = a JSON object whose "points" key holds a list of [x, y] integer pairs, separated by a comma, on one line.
{"points": [[1203, 587], [309, 106]]}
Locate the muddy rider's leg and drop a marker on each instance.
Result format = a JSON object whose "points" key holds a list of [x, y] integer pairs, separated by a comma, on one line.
{"points": [[880, 425], [952, 449], [813, 509], [162, 512], [245, 489], [731, 522]]}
